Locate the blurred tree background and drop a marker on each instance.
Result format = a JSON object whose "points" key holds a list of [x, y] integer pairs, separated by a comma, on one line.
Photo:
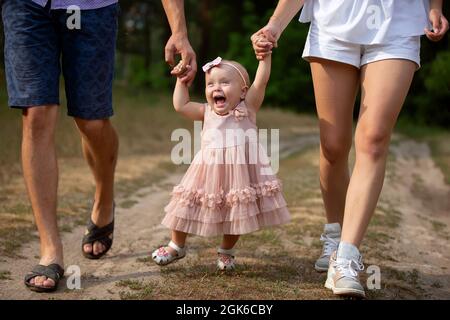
{"points": [[224, 28]]}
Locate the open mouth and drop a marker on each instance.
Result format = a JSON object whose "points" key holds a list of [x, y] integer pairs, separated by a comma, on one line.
{"points": [[219, 99]]}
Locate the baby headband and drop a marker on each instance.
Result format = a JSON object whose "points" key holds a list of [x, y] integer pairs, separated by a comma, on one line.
{"points": [[217, 61]]}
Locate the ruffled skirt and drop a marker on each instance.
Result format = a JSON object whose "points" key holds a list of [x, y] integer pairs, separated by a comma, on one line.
{"points": [[226, 192]]}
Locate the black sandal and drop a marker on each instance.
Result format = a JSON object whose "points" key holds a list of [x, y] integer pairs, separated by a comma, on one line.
{"points": [[53, 271], [104, 235]]}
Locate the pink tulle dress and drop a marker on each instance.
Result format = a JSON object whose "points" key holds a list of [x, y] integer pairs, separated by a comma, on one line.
{"points": [[229, 188]]}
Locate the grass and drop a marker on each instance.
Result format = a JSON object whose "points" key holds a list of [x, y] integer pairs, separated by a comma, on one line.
{"points": [[438, 227], [273, 263], [274, 277], [144, 121], [140, 290], [278, 263], [437, 285], [386, 215], [5, 275], [142, 147]]}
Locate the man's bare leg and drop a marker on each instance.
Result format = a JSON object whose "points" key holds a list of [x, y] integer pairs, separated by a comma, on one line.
{"points": [[40, 171], [100, 149]]}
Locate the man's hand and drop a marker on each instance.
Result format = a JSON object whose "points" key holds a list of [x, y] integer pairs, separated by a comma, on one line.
{"points": [[178, 44]]}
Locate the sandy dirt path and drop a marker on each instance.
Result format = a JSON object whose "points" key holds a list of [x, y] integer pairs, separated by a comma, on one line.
{"points": [[416, 188], [418, 191]]}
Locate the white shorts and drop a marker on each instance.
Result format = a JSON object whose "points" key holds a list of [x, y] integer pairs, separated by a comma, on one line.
{"points": [[324, 46]]}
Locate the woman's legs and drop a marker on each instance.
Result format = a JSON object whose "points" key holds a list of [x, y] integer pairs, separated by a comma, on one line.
{"points": [[335, 87], [384, 86]]}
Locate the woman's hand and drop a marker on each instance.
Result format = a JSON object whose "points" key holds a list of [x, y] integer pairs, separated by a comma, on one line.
{"points": [[265, 39], [439, 23]]}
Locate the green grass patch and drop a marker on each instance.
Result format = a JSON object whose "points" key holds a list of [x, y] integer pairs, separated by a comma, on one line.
{"points": [[438, 226], [139, 290], [5, 275]]}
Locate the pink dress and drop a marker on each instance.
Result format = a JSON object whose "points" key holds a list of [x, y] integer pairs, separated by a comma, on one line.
{"points": [[229, 188]]}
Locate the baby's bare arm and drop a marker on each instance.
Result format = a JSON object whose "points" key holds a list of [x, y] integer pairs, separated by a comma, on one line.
{"points": [[183, 105], [255, 95]]}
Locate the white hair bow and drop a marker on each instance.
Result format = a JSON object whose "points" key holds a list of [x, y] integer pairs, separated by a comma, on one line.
{"points": [[217, 61], [212, 64]]}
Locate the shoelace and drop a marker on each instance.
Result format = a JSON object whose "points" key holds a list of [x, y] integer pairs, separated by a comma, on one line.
{"points": [[330, 244], [350, 268]]}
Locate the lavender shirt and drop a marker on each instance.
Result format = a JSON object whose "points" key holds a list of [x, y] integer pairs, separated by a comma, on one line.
{"points": [[83, 4]]}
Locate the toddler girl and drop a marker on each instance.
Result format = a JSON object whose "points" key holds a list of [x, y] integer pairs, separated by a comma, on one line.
{"points": [[229, 189]]}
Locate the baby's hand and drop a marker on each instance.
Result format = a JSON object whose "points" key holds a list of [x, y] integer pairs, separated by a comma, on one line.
{"points": [[266, 46], [180, 69]]}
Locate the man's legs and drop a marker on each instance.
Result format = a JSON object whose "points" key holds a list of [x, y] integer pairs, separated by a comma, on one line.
{"points": [[88, 68], [40, 170], [100, 148], [32, 72]]}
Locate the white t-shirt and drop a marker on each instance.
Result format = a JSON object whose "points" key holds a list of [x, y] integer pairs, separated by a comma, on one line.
{"points": [[367, 21]]}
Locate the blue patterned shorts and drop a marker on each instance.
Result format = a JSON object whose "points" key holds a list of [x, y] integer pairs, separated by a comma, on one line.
{"points": [[38, 45]]}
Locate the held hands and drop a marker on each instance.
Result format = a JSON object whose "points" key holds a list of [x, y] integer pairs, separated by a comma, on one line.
{"points": [[439, 23], [187, 67], [265, 39], [180, 71], [262, 46]]}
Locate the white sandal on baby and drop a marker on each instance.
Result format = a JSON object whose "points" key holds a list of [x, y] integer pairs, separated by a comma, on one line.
{"points": [[163, 257], [226, 259]]}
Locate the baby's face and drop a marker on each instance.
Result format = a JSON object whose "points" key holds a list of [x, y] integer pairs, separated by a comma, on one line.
{"points": [[224, 89]]}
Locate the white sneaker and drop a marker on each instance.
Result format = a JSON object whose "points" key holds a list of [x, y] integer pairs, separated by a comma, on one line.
{"points": [[330, 237], [163, 257], [225, 261], [343, 277], [329, 283]]}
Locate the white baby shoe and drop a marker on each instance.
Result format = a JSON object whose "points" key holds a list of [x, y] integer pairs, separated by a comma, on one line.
{"points": [[163, 257], [226, 259]]}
